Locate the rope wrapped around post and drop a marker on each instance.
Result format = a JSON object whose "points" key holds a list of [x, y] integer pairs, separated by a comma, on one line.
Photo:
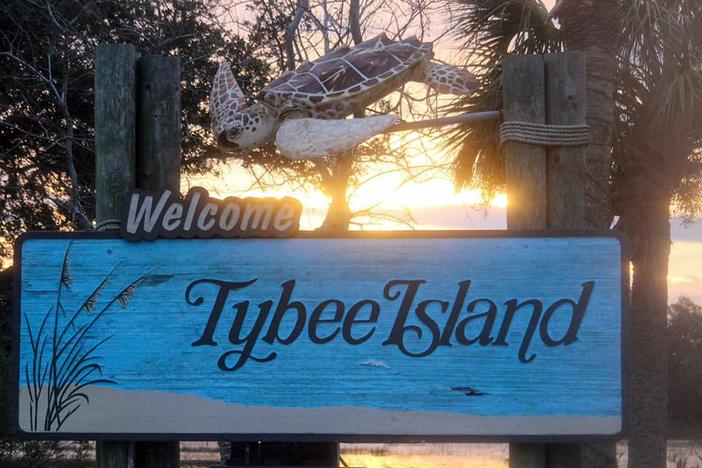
{"points": [[111, 224], [545, 134]]}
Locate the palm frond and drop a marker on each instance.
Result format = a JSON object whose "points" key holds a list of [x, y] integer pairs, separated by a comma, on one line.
{"points": [[659, 104], [490, 30], [659, 91]]}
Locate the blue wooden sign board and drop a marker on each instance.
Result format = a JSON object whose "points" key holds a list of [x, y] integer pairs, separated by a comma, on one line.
{"points": [[433, 335]]}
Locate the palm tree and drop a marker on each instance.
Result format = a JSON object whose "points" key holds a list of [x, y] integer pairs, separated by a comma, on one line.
{"points": [[656, 165], [651, 54]]}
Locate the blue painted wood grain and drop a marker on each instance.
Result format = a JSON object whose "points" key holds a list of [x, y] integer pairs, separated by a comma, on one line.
{"points": [[151, 339]]}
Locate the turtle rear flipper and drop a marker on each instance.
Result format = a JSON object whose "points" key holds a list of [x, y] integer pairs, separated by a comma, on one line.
{"points": [[446, 79], [316, 138]]}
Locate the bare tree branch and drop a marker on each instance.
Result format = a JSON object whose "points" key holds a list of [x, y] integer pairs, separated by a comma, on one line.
{"points": [[290, 31]]}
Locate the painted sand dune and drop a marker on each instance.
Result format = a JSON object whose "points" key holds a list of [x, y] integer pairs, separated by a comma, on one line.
{"points": [[115, 411]]}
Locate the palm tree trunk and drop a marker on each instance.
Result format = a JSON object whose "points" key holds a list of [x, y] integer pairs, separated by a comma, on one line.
{"points": [[593, 27], [600, 118], [643, 197], [649, 348]]}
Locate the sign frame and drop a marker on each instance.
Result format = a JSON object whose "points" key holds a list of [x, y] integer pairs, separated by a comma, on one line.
{"points": [[350, 438]]}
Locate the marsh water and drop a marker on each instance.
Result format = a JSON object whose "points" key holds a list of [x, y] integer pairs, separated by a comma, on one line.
{"points": [[681, 454]]}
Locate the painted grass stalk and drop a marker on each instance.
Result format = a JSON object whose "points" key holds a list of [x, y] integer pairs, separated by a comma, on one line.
{"points": [[64, 360]]}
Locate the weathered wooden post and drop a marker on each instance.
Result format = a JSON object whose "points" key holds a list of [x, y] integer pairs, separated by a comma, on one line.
{"points": [[525, 164], [117, 139], [158, 123], [566, 105], [158, 168], [115, 144], [115, 133], [546, 187], [524, 91]]}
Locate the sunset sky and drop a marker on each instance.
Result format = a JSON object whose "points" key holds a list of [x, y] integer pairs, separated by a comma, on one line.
{"points": [[434, 203]]}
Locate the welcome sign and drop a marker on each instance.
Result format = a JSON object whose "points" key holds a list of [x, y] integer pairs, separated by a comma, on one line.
{"points": [[449, 335], [148, 215]]}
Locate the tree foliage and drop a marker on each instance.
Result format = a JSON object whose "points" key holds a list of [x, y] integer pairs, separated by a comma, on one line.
{"points": [[489, 30], [685, 375], [291, 32], [653, 160], [46, 95], [659, 95], [659, 135]]}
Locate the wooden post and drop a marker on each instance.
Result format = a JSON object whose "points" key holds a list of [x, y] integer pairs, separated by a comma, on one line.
{"points": [[524, 91], [525, 165], [115, 143], [115, 135], [110, 454], [158, 123], [158, 168], [546, 188], [566, 104]]}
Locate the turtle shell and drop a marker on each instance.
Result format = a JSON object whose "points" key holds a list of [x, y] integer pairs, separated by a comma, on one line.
{"points": [[347, 80]]}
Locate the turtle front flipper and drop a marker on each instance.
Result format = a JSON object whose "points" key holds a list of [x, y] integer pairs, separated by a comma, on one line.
{"points": [[316, 138], [447, 79]]}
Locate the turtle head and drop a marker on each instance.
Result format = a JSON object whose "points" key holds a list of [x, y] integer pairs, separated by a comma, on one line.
{"points": [[248, 129], [236, 125]]}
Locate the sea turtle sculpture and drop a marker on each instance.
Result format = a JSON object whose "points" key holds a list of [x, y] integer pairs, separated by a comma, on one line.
{"points": [[305, 109]]}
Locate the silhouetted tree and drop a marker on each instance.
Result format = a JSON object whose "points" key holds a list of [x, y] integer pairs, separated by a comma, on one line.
{"points": [[655, 162], [291, 32], [685, 368], [46, 95]]}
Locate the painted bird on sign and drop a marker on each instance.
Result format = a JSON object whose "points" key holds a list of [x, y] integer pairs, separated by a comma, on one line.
{"points": [[469, 391], [305, 109]]}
